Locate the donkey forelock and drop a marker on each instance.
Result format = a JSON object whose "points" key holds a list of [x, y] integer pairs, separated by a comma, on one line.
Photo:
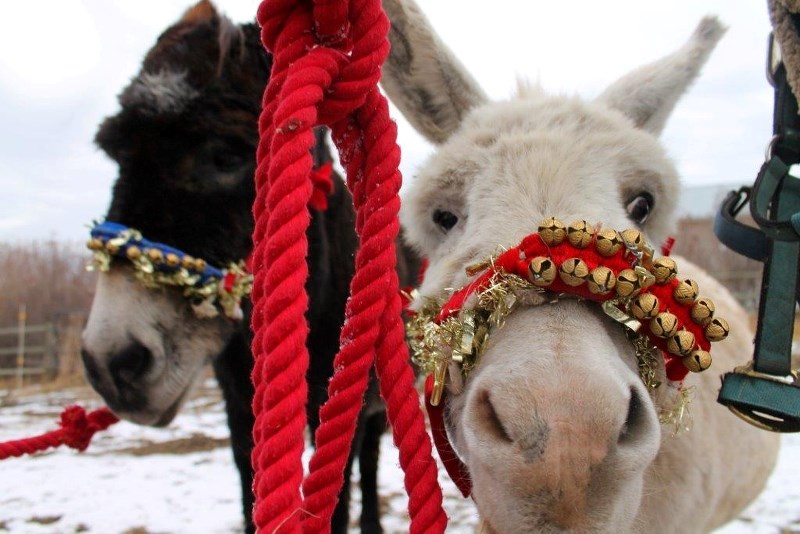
{"points": [[156, 93], [173, 73]]}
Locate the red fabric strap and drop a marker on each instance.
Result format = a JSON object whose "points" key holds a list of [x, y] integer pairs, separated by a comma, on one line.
{"points": [[458, 472]]}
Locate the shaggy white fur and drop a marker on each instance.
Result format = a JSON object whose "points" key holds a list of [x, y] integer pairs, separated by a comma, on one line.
{"points": [[555, 425]]}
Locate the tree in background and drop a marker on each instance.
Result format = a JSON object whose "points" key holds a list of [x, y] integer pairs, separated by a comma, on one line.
{"points": [[48, 277]]}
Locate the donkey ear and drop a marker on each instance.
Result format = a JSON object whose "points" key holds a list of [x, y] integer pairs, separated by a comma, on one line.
{"points": [[202, 11], [423, 78], [648, 94]]}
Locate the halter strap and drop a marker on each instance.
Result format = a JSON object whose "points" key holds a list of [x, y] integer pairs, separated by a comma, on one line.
{"points": [[766, 391], [614, 269], [156, 264]]}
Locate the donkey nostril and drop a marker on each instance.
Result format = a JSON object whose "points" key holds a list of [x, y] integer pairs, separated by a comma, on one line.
{"points": [[90, 364], [635, 420], [130, 364], [487, 415]]}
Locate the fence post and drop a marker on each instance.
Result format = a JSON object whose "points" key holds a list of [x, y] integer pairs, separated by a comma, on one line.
{"points": [[22, 317]]}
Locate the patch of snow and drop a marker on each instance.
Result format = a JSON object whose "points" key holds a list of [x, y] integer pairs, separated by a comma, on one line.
{"points": [[109, 489]]}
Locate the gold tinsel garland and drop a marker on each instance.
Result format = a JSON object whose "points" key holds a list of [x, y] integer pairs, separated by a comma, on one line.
{"points": [[438, 340], [153, 268]]}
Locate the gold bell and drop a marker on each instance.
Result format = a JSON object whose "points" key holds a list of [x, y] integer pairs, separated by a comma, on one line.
{"points": [[702, 311], [645, 306], [552, 231], [573, 272], [187, 262], [133, 253], [664, 269], [686, 291], [601, 280], [681, 344], [633, 239], [664, 325], [199, 265], [579, 234], [608, 242], [717, 329], [541, 271], [627, 283], [94, 244], [697, 361], [154, 255], [173, 260], [112, 248]]}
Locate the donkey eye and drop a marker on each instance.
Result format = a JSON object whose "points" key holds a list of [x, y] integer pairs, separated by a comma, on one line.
{"points": [[226, 161], [445, 220], [639, 207]]}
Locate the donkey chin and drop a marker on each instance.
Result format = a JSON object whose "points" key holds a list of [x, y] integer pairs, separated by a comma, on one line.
{"points": [[143, 349]]}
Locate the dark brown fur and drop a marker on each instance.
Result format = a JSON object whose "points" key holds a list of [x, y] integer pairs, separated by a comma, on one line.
{"points": [[186, 164]]}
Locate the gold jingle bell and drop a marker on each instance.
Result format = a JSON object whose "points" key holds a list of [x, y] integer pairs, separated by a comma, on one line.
{"points": [[717, 329], [601, 280], [154, 255], [552, 231], [199, 265], [627, 283], [697, 361], [173, 260], [664, 269], [633, 239], [579, 234], [608, 242], [542, 271], [573, 271], [133, 253], [94, 244], [645, 306], [187, 262], [664, 325], [686, 291], [681, 344], [702, 311], [112, 248]]}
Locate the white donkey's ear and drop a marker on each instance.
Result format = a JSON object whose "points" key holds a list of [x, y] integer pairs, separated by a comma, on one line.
{"points": [[423, 78], [648, 94]]}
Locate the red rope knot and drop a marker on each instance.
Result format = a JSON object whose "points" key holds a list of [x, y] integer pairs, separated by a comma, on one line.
{"points": [[354, 33], [332, 24], [78, 427], [327, 57]]}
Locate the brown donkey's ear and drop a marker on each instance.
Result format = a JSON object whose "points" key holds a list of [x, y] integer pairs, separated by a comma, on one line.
{"points": [[202, 11], [423, 78], [647, 95]]}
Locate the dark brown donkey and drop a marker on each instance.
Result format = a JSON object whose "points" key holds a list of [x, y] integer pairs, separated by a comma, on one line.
{"points": [[185, 141]]}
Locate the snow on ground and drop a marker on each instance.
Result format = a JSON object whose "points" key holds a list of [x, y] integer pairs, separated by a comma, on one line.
{"points": [[136, 480]]}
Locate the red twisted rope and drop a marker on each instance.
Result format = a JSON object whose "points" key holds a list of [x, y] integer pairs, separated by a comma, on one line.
{"points": [[327, 59], [77, 429]]}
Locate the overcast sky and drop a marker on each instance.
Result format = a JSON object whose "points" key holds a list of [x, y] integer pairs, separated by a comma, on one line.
{"points": [[62, 63]]}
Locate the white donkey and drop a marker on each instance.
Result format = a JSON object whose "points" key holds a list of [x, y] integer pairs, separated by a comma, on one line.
{"points": [[554, 424]]}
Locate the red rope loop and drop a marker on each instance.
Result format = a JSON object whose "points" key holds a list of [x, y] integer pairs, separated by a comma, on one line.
{"points": [[77, 430], [326, 65]]}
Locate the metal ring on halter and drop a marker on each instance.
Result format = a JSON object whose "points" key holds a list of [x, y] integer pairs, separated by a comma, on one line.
{"points": [[771, 147]]}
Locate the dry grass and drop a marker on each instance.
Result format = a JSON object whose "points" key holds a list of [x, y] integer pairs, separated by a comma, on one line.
{"points": [[194, 443]]}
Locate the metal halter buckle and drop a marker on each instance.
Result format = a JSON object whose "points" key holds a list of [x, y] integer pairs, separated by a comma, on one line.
{"points": [[758, 418]]}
